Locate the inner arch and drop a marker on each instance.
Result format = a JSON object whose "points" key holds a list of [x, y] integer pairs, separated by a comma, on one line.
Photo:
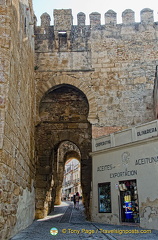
{"points": [[66, 151]]}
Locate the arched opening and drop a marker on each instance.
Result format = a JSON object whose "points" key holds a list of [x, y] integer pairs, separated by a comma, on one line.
{"points": [[64, 103], [63, 133], [72, 180], [69, 155], [66, 151]]}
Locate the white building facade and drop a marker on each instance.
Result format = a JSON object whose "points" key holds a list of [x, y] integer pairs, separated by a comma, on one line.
{"points": [[125, 176]]}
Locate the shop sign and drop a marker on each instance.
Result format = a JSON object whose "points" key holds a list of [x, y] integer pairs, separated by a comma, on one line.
{"points": [[105, 168], [123, 174], [146, 131], [147, 160], [125, 162], [102, 143]]}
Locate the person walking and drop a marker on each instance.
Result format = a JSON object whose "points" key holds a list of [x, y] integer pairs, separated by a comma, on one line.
{"points": [[74, 200], [77, 200]]}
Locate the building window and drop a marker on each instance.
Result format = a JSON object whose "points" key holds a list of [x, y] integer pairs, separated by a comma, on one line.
{"points": [[104, 197]]}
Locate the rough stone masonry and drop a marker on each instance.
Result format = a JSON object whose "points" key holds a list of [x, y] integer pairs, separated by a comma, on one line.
{"points": [[65, 84]]}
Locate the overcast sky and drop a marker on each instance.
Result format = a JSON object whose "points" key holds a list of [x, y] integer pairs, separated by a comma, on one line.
{"points": [[89, 6]]}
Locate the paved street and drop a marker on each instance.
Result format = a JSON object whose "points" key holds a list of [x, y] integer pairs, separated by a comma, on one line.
{"points": [[71, 224]]}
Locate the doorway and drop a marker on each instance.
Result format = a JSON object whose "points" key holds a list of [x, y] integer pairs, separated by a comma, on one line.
{"points": [[63, 113], [72, 180], [129, 205]]}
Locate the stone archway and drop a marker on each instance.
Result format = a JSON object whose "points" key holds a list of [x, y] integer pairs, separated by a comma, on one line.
{"points": [[63, 114], [71, 180], [66, 151], [53, 82]]}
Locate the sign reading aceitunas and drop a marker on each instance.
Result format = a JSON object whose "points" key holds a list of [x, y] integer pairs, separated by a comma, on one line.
{"points": [[134, 134], [109, 168]]}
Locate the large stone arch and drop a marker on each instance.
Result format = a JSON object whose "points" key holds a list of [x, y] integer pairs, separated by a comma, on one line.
{"points": [[76, 82], [50, 133]]}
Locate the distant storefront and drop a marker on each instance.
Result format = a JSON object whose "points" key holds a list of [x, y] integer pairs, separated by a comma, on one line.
{"points": [[125, 177]]}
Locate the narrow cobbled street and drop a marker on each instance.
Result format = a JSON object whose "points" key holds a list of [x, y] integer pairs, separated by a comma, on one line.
{"points": [[68, 223]]}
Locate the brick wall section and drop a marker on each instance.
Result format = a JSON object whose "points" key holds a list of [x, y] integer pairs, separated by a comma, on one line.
{"points": [[100, 131], [17, 104]]}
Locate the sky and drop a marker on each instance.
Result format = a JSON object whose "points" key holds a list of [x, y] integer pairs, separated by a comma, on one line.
{"points": [[89, 6]]}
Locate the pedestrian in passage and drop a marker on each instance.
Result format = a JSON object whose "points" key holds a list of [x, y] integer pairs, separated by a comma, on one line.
{"points": [[74, 200], [77, 200]]}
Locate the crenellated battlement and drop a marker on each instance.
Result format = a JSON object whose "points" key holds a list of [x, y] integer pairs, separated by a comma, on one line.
{"points": [[63, 18], [65, 36]]}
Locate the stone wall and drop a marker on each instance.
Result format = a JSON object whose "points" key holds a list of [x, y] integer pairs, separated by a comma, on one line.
{"points": [[156, 93], [17, 105], [113, 64]]}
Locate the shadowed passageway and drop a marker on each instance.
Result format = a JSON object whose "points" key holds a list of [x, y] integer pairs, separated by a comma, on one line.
{"points": [[71, 224]]}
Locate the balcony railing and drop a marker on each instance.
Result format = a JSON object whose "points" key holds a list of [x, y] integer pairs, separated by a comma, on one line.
{"points": [[71, 182]]}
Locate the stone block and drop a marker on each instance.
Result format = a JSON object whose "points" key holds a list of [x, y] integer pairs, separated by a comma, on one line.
{"points": [[62, 19], [3, 9], [110, 17], [45, 20], [17, 191], [2, 2], [81, 17], [128, 17], [147, 16], [41, 184]]}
